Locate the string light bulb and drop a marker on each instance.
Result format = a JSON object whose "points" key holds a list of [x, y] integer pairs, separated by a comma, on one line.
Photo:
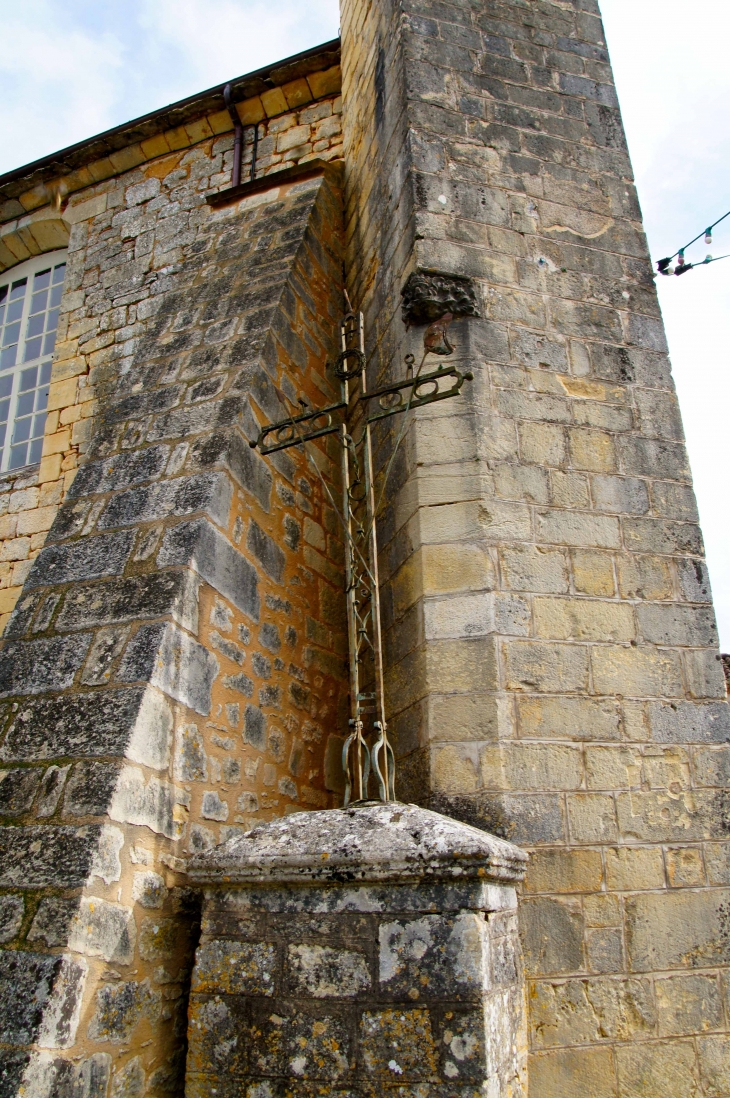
{"points": [[667, 266]]}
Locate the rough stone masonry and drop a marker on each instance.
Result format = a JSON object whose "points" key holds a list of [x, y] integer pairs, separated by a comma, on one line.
{"points": [[175, 664]]}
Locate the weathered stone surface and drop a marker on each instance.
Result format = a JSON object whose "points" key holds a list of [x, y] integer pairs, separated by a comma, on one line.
{"points": [[150, 803], [149, 889], [207, 492], [325, 973], [441, 953], [247, 466], [89, 789], [120, 1007], [102, 929], [12, 909], [132, 599], [18, 789], [35, 667], [39, 857], [684, 722], [29, 982], [235, 968], [169, 659], [90, 724], [382, 841], [590, 1011], [552, 936], [266, 551], [121, 471], [200, 546], [89, 559], [682, 929], [52, 920], [107, 647]]}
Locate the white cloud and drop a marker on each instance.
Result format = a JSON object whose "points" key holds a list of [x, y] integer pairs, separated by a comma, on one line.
{"points": [[225, 38], [58, 82]]}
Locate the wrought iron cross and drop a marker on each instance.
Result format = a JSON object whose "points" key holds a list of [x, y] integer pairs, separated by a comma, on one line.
{"points": [[367, 748]]}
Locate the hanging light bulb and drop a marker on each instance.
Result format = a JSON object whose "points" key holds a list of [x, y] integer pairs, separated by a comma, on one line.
{"points": [[708, 236], [708, 259]]}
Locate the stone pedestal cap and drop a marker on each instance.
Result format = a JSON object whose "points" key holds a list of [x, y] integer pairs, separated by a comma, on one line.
{"points": [[366, 842]]}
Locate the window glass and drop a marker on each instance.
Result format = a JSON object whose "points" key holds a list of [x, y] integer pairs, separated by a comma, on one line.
{"points": [[30, 295]]}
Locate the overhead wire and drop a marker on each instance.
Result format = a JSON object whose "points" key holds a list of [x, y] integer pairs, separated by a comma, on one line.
{"points": [[664, 266]]}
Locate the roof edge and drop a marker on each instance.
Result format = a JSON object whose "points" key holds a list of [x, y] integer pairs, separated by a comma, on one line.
{"points": [[64, 161]]}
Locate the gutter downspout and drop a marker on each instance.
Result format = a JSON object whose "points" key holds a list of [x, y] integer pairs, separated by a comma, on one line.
{"points": [[237, 136]]}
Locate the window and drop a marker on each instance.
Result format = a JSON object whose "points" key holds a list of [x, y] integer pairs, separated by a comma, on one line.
{"points": [[30, 295]]}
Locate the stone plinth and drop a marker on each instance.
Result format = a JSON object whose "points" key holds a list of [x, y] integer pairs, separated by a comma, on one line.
{"points": [[361, 952]]}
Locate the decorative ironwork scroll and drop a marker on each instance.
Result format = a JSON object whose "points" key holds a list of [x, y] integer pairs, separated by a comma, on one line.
{"points": [[367, 751]]}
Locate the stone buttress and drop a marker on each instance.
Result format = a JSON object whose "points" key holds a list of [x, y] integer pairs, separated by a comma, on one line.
{"points": [[551, 648], [175, 648], [359, 953]]}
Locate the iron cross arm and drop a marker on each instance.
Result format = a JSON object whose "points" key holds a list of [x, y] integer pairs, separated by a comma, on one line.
{"points": [[388, 400]]}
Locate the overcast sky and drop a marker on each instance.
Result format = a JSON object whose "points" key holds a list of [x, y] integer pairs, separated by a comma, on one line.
{"points": [[71, 68]]}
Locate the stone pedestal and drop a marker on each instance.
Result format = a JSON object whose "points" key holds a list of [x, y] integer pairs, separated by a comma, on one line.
{"points": [[361, 952]]}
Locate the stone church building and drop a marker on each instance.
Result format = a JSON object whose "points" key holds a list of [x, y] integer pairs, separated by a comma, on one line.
{"points": [[174, 664]]}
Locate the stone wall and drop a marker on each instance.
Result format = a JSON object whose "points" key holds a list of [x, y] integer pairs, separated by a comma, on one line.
{"points": [[553, 671], [176, 658], [87, 209]]}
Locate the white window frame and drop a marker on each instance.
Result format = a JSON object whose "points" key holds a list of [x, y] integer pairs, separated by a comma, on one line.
{"points": [[27, 269]]}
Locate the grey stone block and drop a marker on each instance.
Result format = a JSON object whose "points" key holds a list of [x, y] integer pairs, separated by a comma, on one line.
{"points": [[107, 647], [120, 1007], [681, 929], [52, 785], [240, 683], [12, 909], [35, 667], [207, 492], [269, 636], [103, 929], [528, 818], [12, 1071], [18, 789], [690, 722], [680, 625], [200, 546], [52, 920], [266, 551], [620, 494], [47, 857], [254, 727], [234, 453], [88, 559], [91, 724], [147, 803], [137, 597], [89, 789], [121, 471], [169, 659], [26, 980], [191, 760], [694, 580], [552, 936]]}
